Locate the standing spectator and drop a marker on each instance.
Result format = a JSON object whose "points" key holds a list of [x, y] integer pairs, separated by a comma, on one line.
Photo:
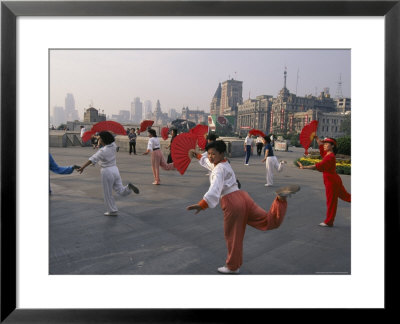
{"points": [[271, 162], [248, 141], [132, 141], [259, 144], [83, 130], [128, 131], [174, 132]]}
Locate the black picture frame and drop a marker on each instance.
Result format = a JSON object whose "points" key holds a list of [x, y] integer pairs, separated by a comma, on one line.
{"points": [[10, 10]]}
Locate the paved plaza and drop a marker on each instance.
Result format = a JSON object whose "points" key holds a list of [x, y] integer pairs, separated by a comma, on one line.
{"points": [[155, 234]]}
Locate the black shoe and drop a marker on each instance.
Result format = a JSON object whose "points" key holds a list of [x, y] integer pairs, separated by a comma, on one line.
{"points": [[238, 183], [133, 188]]}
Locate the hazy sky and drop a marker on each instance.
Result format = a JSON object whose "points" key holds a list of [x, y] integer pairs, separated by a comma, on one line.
{"points": [[111, 79]]}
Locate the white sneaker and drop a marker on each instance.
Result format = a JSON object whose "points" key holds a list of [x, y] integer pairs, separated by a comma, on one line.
{"points": [[111, 213], [283, 162], [246, 164], [323, 224], [226, 270], [267, 185]]}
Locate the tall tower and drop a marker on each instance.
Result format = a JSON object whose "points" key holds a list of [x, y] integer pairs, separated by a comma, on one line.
{"points": [[136, 110], [339, 94], [70, 112]]}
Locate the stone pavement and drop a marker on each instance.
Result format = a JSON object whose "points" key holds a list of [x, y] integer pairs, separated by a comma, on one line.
{"points": [[155, 234]]}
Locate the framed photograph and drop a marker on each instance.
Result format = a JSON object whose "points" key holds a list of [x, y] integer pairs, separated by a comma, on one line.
{"points": [[36, 34]]}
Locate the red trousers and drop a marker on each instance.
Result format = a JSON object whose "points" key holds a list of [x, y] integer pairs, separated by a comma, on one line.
{"points": [[241, 210], [157, 161], [334, 189]]}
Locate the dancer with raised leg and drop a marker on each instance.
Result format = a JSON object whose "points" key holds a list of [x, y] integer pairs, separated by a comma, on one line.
{"points": [[238, 207], [110, 177]]}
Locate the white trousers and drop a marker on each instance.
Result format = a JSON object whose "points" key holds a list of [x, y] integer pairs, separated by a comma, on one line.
{"points": [[272, 163], [111, 179]]}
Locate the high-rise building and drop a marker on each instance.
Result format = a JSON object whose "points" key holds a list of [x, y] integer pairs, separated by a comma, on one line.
{"points": [[148, 109], [216, 101], [136, 110], [70, 112], [231, 97], [58, 116]]}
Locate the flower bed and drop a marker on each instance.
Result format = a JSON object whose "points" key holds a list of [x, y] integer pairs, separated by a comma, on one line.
{"points": [[343, 166]]}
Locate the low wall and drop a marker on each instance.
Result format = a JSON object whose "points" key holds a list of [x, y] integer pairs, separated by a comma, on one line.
{"points": [[234, 146], [72, 138]]}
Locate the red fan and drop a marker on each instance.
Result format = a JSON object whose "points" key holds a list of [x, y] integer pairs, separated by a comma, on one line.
{"points": [[201, 132], [307, 135], [180, 150], [256, 132], [87, 136], [145, 124], [109, 125], [164, 133]]}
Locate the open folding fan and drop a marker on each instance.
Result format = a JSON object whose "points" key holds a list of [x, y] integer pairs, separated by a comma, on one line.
{"points": [[307, 135], [109, 125], [164, 133], [180, 150], [256, 132], [87, 136], [201, 132], [145, 124]]}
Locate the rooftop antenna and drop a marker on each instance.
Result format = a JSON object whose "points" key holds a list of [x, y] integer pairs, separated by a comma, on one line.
{"points": [[235, 76], [297, 81]]}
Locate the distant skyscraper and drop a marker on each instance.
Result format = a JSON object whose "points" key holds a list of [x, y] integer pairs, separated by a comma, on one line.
{"points": [[58, 116], [136, 110], [148, 109], [70, 112]]}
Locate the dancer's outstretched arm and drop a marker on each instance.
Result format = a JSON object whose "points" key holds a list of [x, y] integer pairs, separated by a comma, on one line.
{"points": [[312, 167]]}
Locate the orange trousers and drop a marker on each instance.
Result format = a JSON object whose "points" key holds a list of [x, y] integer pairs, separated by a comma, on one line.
{"points": [[157, 161], [241, 210]]}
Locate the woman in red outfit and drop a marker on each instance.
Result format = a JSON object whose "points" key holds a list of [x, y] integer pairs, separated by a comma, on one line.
{"points": [[334, 188]]}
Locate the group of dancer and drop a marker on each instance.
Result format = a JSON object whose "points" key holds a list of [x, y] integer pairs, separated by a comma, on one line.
{"points": [[239, 209]]}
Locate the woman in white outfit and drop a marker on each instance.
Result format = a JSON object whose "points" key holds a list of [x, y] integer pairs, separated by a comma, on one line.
{"points": [[110, 177], [271, 162]]}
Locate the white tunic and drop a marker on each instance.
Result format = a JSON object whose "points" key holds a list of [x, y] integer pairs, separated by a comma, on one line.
{"points": [[110, 177], [154, 142], [222, 181], [248, 140], [106, 156]]}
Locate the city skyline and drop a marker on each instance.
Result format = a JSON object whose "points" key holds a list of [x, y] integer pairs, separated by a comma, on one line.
{"points": [[111, 79]]}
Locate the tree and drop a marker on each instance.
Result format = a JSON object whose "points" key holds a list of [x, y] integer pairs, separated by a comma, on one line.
{"points": [[345, 127]]}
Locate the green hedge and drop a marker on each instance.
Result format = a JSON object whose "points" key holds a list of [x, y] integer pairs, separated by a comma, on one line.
{"points": [[339, 168]]}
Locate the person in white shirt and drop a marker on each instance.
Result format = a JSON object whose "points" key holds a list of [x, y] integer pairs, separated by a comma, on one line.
{"points": [[83, 130], [110, 177], [259, 144], [238, 207], [248, 141], [157, 158]]}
